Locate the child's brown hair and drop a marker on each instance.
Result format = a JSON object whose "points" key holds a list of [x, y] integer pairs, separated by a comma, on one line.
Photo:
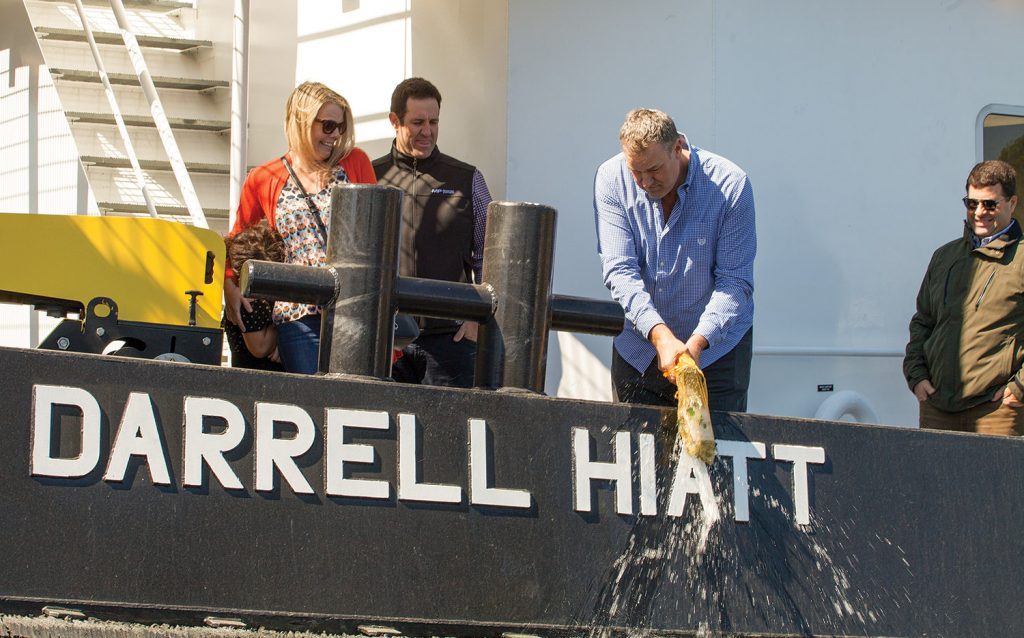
{"points": [[255, 242]]}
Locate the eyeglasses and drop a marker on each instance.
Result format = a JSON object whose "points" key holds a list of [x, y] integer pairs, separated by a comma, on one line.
{"points": [[330, 126], [972, 204]]}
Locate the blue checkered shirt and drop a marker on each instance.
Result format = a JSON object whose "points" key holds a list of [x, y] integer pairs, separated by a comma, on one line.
{"points": [[695, 274]]}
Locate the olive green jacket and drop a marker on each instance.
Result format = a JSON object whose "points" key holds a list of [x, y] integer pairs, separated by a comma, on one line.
{"points": [[966, 335]]}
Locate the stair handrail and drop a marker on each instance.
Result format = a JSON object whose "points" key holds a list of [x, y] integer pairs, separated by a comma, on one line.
{"points": [[239, 104], [140, 178], [188, 192]]}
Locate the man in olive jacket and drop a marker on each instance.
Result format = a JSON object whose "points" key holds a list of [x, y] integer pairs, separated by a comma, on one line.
{"points": [[966, 349]]}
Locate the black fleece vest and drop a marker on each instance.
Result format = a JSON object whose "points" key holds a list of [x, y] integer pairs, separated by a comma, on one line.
{"points": [[437, 219]]}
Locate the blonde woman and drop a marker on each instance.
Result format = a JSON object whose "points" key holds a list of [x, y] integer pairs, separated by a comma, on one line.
{"points": [[293, 193]]}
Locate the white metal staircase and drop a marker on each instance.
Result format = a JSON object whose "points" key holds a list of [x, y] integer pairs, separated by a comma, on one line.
{"points": [[192, 79]]}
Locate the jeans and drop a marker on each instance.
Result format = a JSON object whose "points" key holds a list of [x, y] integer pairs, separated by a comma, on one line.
{"points": [[298, 343], [728, 380], [437, 360]]}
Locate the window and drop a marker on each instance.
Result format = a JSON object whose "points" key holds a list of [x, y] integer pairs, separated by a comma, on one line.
{"points": [[1002, 137]]}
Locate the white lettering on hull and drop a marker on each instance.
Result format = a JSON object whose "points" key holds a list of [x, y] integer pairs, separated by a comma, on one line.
{"points": [[690, 477], [480, 493], [337, 454], [208, 448], [280, 453], [138, 435], [44, 398], [214, 428]]}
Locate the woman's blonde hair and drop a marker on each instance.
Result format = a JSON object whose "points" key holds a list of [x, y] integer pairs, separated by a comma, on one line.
{"points": [[300, 116]]}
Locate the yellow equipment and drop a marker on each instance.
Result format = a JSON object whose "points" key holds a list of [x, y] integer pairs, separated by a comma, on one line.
{"points": [[153, 285]]}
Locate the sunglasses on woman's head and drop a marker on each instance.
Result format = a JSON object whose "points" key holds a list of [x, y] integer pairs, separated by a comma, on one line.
{"points": [[329, 126]]}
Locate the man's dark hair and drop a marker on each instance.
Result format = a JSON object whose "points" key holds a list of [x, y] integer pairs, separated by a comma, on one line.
{"points": [[989, 173], [255, 242], [416, 88]]}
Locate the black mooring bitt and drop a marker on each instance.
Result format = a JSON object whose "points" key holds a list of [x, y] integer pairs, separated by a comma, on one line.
{"points": [[362, 250], [518, 256], [360, 290]]}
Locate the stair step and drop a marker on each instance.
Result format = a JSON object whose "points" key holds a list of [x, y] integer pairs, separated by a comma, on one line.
{"points": [[187, 124], [161, 5], [184, 84], [170, 211], [108, 37], [154, 165]]}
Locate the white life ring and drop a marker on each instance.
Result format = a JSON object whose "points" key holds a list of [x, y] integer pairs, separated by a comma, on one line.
{"points": [[846, 403]]}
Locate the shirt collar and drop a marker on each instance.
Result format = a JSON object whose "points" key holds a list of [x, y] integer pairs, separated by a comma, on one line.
{"points": [[979, 242], [689, 166], [411, 162]]}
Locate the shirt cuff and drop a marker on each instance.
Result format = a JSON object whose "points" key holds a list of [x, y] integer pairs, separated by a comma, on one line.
{"points": [[646, 321], [709, 331]]}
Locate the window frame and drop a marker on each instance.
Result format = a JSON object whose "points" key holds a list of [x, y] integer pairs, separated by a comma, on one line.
{"points": [[979, 125]]}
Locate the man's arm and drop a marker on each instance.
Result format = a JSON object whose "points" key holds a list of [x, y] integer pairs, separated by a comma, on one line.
{"points": [[1013, 396], [481, 198], [733, 268], [619, 254], [915, 367]]}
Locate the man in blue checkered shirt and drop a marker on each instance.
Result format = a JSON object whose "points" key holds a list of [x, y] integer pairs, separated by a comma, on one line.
{"points": [[675, 233]]}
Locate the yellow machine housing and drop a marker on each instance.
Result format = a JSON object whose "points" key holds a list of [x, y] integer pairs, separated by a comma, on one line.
{"points": [[149, 276]]}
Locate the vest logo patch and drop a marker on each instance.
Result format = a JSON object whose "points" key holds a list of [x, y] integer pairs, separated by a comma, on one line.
{"points": [[442, 191]]}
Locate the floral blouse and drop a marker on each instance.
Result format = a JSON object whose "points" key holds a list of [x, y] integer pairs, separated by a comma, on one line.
{"points": [[302, 240]]}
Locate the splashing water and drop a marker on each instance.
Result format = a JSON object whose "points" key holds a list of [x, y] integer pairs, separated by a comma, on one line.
{"points": [[693, 567]]}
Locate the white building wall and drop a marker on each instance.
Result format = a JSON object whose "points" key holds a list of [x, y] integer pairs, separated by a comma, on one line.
{"points": [[855, 122], [39, 167], [272, 55]]}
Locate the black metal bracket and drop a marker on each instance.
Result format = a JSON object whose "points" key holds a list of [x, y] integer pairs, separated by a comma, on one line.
{"points": [[99, 327]]}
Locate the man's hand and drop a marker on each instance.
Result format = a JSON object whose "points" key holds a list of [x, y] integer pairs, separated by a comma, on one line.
{"points": [[1008, 398], [468, 329], [924, 389], [233, 303], [668, 347]]}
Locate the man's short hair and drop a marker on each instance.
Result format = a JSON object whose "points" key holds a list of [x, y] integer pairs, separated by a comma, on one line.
{"points": [[991, 172], [416, 88], [644, 127]]}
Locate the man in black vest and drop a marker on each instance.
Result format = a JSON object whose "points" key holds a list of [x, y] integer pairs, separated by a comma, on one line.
{"points": [[444, 212]]}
